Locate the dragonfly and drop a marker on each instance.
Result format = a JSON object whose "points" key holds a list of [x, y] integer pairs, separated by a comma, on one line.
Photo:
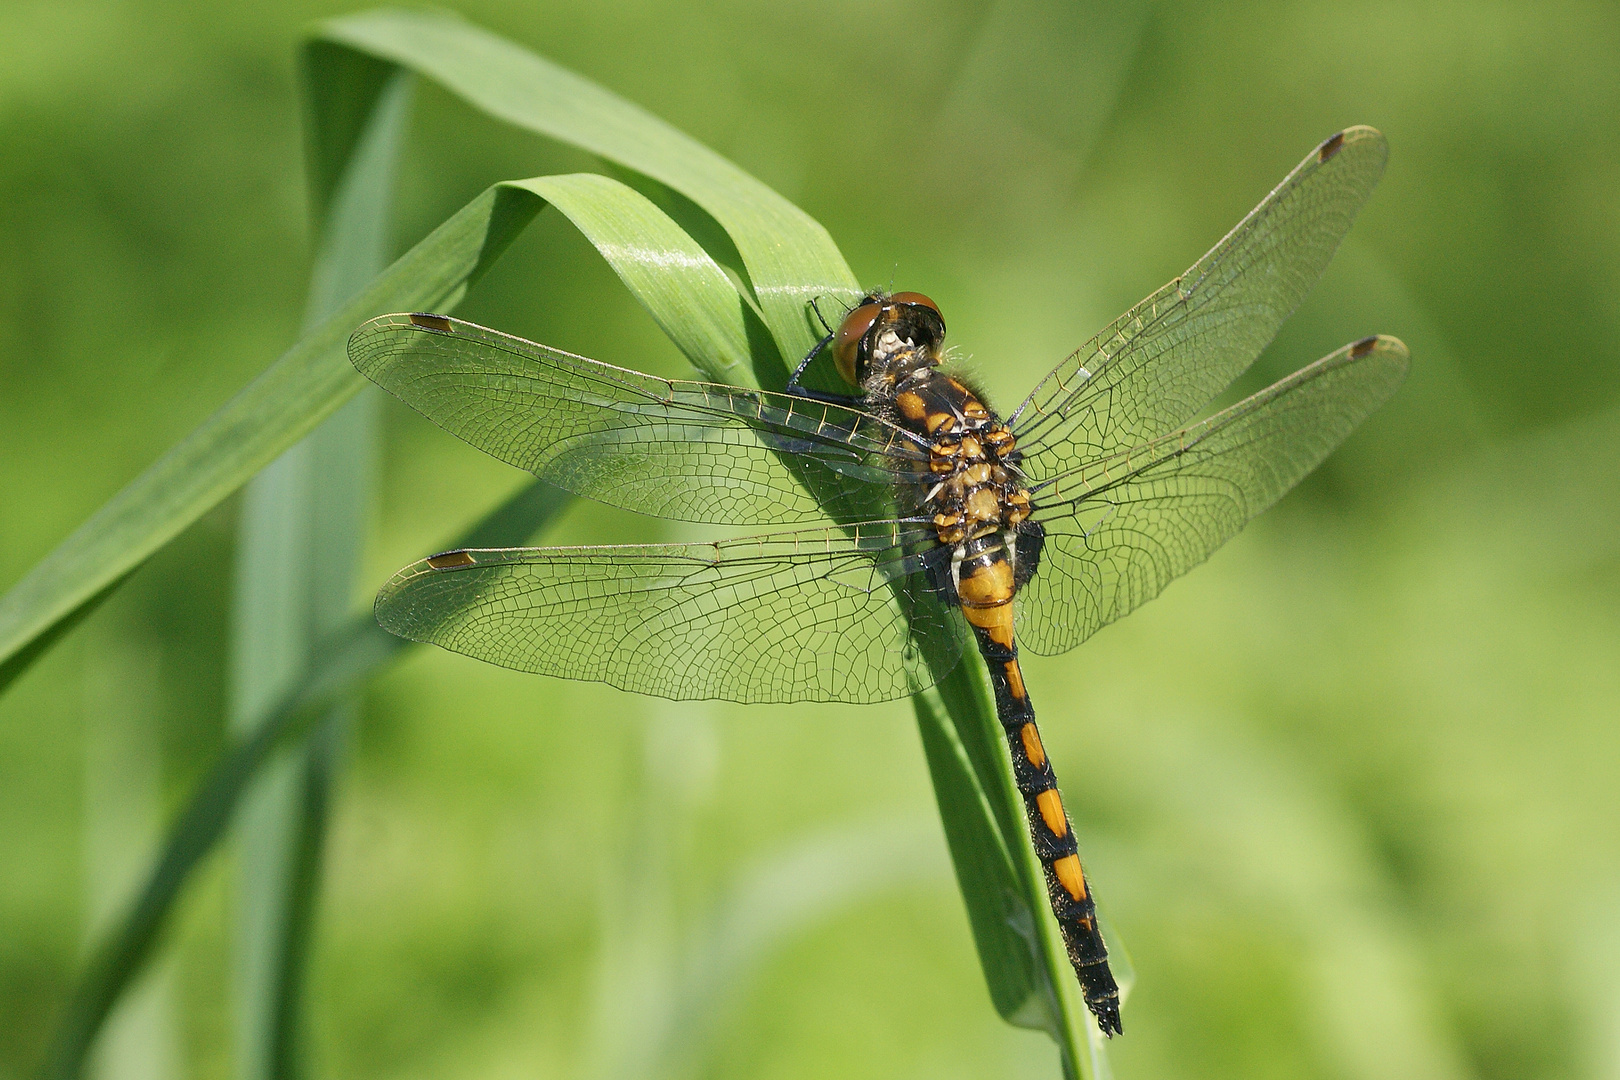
{"points": [[919, 523]]}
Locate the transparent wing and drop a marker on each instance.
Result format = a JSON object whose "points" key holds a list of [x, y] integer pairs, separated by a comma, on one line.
{"points": [[818, 615], [685, 450], [1160, 363], [1121, 528]]}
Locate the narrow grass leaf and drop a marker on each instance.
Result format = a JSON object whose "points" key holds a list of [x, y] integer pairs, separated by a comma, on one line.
{"points": [[683, 289], [344, 662], [299, 543], [998, 914]]}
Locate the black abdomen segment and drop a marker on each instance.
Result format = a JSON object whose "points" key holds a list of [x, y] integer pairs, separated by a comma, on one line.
{"points": [[1051, 831]]}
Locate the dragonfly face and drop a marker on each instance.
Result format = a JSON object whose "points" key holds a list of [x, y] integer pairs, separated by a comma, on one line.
{"points": [[1099, 489], [885, 338]]}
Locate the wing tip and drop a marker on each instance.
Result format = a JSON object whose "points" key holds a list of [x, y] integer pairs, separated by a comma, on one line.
{"points": [[1355, 135], [1352, 135], [1381, 350], [1377, 352], [1384, 344]]}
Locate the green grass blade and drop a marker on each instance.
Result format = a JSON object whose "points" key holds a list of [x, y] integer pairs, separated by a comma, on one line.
{"points": [[300, 538], [985, 872], [1025, 961], [789, 256], [123, 821], [347, 660], [344, 662], [642, 245]]}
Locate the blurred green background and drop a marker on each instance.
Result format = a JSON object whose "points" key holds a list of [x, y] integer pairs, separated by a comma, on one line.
{"points": [[1350, 792]]}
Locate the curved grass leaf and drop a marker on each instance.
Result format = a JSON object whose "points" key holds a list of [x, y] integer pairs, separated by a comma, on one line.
{"points": [[700, 309], [697, 306], [703, 314], [789, 256]]}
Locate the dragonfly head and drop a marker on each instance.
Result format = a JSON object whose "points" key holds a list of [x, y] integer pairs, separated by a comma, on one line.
{"points": [[863, 338]]}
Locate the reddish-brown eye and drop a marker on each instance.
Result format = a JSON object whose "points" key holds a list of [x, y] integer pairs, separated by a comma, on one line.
{"points": [[916, 298], [847, 342]]}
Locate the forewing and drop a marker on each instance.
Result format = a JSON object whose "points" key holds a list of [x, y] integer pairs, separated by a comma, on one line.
{"points": [[1121, 528], [818, 615], [686, 450], [1160, 363]]}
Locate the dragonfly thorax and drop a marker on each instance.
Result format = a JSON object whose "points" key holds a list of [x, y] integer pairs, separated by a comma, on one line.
{"points": [[971, 487]]}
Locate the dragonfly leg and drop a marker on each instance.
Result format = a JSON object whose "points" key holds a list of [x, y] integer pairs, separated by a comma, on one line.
{"points": [[793, 386]]}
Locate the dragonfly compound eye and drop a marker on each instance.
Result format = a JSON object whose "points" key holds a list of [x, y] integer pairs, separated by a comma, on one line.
{"points": [[847, 343], [916, 299], [923, 316]]}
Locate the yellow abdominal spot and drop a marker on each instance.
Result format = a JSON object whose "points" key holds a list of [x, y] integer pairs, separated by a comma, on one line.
{"points": [[996, 619], [1015, 680], [1051, 807], [1032, 745], [1070, 875]]}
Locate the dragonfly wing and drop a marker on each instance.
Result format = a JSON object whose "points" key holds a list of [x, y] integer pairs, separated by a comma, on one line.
{"points": [[818, 615], [1121, 528], [686, 450], [1160, 363]]}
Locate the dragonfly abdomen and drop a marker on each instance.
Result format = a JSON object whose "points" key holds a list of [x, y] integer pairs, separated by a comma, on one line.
{"points": [[985, 586], [980, 509]]}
